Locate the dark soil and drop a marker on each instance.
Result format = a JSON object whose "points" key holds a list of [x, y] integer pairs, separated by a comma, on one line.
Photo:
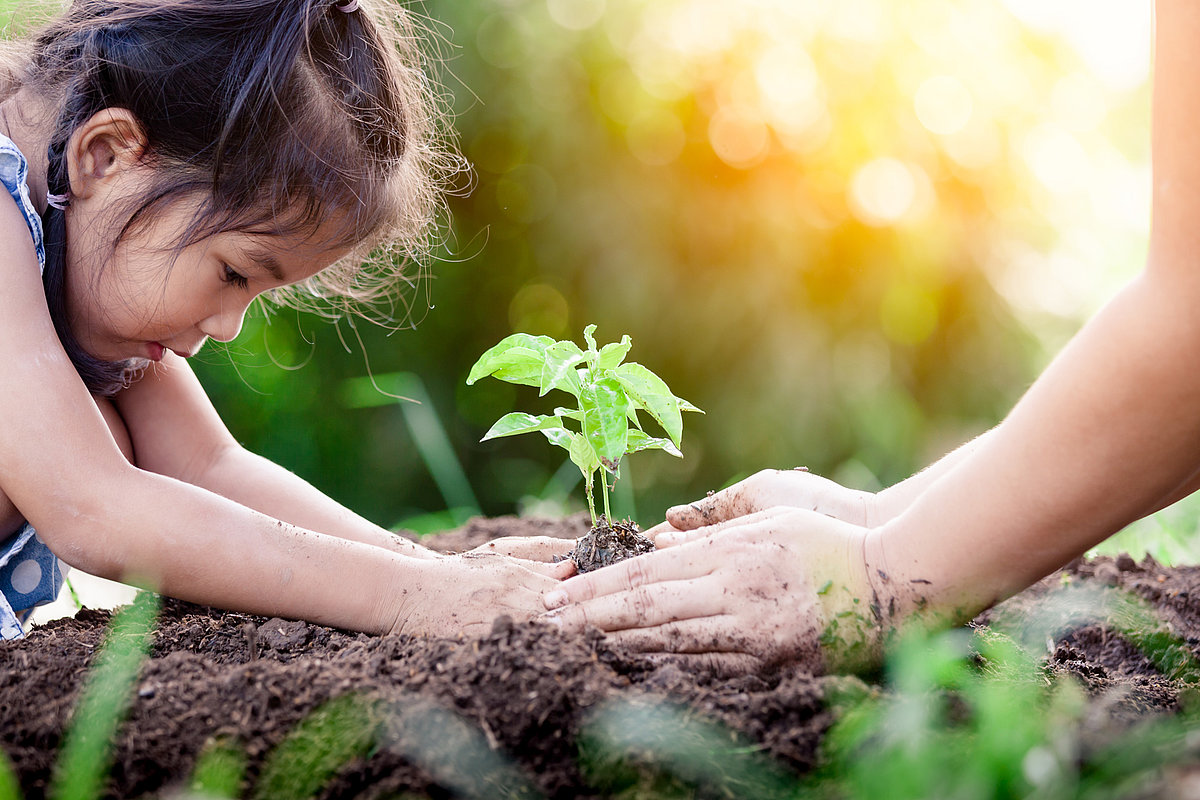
{"points": [[507, 710], [607, 543]]}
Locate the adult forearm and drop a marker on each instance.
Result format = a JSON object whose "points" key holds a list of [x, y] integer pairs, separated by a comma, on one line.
{"points": [[1108, 432], [895, 500]]}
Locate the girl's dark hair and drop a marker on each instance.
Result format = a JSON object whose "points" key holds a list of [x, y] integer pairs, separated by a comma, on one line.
{"points": [[279, 115]]}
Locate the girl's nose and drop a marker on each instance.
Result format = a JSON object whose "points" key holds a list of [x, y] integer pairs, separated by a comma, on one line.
{"points": [[225, 325]]}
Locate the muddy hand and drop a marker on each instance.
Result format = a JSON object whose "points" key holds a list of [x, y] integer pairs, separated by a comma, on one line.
{"points": [[465, 593], [769, 589], [769, 488]]}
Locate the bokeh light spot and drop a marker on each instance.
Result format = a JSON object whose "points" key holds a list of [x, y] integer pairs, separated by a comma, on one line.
{"points": [[1056, 157], [943, 104], [576, 15], [908, 314], [656, 138], [882, 191], [500, 42], [738, 136], [540, 309], [526, 194]]}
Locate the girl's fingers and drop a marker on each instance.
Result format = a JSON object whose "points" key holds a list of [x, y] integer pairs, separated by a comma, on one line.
{"points": [[665, 565], [532, 548], [640, 607], [559, 571]]}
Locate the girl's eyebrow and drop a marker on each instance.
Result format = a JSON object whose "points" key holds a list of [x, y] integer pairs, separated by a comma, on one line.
{"points": [[267, 262]]}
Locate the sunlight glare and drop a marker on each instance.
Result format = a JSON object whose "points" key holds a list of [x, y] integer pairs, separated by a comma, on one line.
{"points": [[943, 104], [882, 191]]}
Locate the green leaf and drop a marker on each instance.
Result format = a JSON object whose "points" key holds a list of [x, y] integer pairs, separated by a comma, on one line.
{"points": [[569, 413], [640, 441], [613, 354], [558, 368], [605, 421], [519, 422], [652, 394], [516, 359], [589, 336], [560, 437], [684, 405], [583, 454]]}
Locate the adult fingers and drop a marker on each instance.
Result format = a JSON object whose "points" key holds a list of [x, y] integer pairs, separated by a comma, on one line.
{"points": [[744, 497], [671, 538], [663, 565], [642, 606], [661, 527], [713, 634]]}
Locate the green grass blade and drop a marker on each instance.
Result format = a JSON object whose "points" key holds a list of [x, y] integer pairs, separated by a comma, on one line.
{"points": [[219, 770], [10, 786], [333, 735], [83, 763]]}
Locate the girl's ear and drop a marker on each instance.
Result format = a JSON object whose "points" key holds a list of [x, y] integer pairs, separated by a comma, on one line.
{"points": [[103, 149]]}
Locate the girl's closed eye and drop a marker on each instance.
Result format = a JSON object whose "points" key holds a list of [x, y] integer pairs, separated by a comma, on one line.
{"points": [[229, 275]]}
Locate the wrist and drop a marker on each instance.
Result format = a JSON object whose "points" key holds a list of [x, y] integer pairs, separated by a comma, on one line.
{"points": [[851, 640]]}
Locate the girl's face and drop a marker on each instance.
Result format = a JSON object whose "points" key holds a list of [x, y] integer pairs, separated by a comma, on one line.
{"points": [[147, 296]]}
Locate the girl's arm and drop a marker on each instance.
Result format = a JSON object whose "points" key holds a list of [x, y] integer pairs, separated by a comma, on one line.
{"points": [[176, 432], [60, 465]]}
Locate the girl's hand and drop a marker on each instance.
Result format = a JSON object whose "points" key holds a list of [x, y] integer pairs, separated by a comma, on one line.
{"points": [[547, 549], [464, 593], [780, 585], [770, 488]]}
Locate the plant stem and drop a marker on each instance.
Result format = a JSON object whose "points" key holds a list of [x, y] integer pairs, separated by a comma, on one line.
{"points": [[604, 491], [587, 485]]}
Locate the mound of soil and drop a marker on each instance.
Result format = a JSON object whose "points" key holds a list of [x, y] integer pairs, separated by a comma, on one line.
{"points": [[519, 699], [609, 542]]}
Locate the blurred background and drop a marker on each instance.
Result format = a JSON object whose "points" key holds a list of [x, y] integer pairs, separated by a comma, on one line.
{"points": [[852, 232]]}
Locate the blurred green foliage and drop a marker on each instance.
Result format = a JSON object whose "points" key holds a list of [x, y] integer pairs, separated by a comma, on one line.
{"points": [[837, 227]]}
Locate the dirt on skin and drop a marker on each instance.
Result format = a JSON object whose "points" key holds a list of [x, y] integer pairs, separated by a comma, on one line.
{"points": [[609, 542], [522, 696]]}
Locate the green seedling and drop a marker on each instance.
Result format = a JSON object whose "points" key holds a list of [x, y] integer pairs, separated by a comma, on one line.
{"points": [[609, 392]]}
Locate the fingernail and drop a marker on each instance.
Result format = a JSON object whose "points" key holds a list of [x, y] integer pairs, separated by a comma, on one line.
{"points": [[555, 599]]}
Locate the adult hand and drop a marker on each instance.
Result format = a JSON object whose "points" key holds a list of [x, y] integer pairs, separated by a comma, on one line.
{"points": [[784, 584], [464, 593], [767, 489], [531, 548]]}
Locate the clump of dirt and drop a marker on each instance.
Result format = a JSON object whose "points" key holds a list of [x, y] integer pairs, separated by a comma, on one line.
{"points": [[524, 698], [609, 542]]}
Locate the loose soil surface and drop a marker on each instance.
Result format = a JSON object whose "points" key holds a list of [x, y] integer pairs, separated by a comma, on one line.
{"points": [[508, 711]]}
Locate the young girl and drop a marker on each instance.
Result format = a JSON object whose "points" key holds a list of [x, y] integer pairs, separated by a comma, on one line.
{"points": [[166, 162], [788, 565]]}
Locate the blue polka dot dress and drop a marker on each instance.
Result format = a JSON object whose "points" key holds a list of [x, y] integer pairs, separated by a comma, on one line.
{"points": [[30, 575]]}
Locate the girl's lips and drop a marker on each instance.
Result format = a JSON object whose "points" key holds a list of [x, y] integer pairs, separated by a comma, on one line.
{"points": [[155, 351]]}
